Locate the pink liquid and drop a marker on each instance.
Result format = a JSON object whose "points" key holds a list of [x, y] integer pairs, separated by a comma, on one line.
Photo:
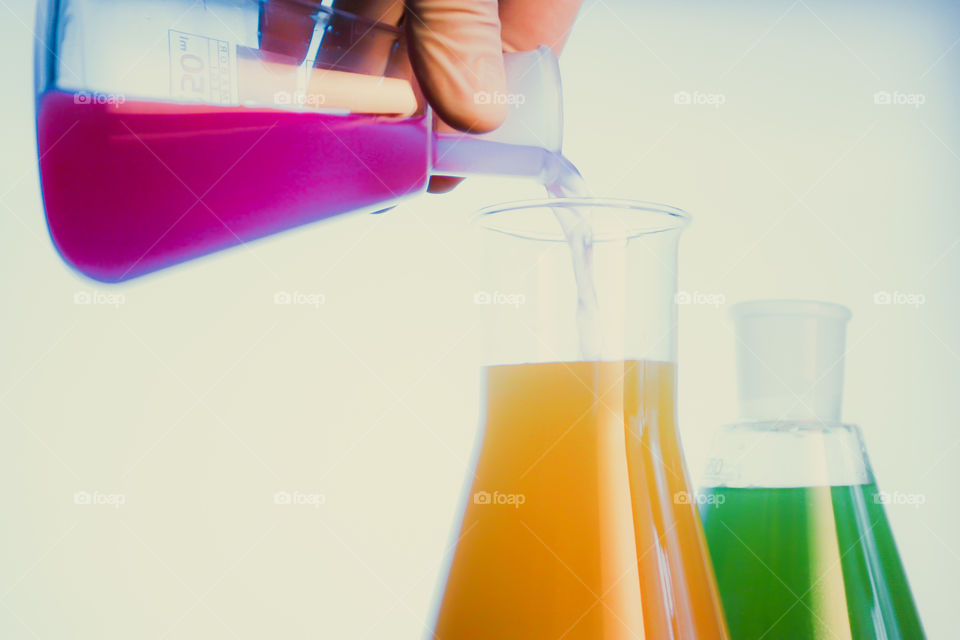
{"points": [[139, 186]]}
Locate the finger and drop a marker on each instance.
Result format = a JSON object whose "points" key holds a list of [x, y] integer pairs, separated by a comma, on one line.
{"points": [[528, 24], [457, 56]]}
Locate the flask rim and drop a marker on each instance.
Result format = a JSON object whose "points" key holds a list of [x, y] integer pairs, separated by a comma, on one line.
{"points": [[787, 307], [631, 218]]}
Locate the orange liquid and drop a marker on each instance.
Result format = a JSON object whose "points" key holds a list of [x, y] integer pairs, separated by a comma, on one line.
{"points": [[574, 528]]}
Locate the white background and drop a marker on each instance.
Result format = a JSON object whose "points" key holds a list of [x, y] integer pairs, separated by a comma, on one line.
{"points": [[199, 398]]}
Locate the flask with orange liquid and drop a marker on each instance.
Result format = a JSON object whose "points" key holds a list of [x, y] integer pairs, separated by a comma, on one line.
{"points": [[578, 521]]}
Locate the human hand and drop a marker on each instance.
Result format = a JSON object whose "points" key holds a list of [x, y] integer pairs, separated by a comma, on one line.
{"points": [[455, 48]]}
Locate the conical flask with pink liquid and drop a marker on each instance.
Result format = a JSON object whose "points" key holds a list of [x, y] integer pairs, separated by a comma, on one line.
{"points": [[170, 129]]}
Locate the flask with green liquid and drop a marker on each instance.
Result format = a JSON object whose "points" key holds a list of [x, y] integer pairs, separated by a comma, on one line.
{"points": [[794, 520]]}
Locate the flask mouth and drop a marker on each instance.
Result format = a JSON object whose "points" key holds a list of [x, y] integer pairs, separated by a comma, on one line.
{"points": [[534, 99], [611, 219], [810, 308]]}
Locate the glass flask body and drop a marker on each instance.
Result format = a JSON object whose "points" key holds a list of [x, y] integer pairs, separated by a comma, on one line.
{"points": [[169, 129], [578, 521], [795, 523]]}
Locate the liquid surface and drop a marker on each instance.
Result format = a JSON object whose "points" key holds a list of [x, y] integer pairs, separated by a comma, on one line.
{"points": [[578, 523], [134, 187], [808, 563]]}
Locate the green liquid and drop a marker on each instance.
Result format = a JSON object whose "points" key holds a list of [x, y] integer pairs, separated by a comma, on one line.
{"points": [[808, 563]]}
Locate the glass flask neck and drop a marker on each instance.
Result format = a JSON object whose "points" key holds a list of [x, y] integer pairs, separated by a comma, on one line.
{"points": [[790, 357], [466, 155]]}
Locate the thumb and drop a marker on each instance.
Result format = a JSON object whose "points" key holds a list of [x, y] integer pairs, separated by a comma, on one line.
{"points": [[455, 50]]}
